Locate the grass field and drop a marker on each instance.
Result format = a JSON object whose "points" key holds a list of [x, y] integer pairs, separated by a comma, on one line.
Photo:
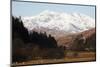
{"points": [[70, 57]]}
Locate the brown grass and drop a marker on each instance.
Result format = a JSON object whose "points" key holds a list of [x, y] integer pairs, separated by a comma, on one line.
{"points": [[82, 56]]}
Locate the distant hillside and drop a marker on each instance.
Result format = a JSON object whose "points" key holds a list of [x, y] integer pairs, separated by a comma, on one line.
{"points": [[85, 40]]}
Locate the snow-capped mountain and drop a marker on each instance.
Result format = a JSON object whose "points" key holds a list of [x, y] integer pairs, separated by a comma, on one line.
{"points": [[70, 23]]}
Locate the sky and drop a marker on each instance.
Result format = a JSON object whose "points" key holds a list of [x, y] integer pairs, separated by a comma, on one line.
{"points": [[32, 8]]}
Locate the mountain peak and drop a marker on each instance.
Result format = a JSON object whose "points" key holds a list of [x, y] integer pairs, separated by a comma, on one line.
{"points": [[71, 23]]}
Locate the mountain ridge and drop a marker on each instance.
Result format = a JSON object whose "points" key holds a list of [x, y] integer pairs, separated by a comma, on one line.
{"points": [[70, 23]]}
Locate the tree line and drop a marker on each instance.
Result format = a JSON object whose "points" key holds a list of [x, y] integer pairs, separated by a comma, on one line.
{"points": [[24, 43]]}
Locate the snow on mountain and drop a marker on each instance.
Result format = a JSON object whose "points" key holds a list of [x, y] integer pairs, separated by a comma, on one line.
{"points": [[70, 23]]}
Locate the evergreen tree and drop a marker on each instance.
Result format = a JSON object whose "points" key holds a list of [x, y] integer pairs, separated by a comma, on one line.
{"points": [[25, 45]]}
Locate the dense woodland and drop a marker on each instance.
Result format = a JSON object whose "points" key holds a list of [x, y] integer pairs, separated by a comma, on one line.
{"points": [[34, 45]]}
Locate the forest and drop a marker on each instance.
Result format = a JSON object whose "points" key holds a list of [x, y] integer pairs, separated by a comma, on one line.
{"points": [[27, 46]]}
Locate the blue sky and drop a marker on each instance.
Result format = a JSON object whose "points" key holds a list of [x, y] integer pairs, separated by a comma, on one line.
{"points": [[30, 8]]}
